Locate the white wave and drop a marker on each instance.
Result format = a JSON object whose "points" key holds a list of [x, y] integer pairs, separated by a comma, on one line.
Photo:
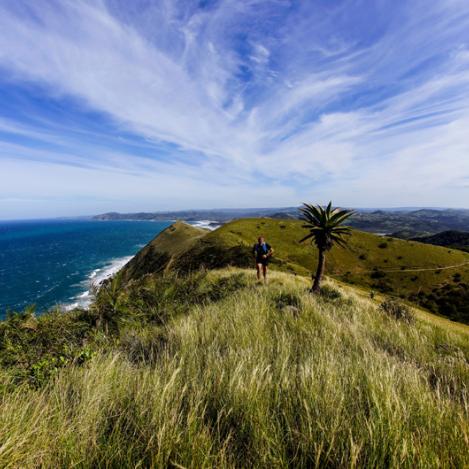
{"points": [[94, 280], [94, 273], [70, 306], [110, 269], [207, 224]]}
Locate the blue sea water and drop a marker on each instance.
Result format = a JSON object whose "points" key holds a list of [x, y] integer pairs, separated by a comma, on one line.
{"points": [[53, 262]]}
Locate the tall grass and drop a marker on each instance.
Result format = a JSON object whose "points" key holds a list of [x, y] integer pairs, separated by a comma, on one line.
{"points": [[241, 380]]}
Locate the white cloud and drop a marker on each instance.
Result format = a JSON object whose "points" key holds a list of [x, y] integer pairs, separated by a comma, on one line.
{"points": [[308, 106]]}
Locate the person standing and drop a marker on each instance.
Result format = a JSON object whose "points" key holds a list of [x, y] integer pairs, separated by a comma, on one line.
{"points": [[262, 252]]}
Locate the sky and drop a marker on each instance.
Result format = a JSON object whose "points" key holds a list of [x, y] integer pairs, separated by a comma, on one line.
{"points": [[147, 105]]}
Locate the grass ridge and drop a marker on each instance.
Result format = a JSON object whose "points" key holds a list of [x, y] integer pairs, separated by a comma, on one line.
{"points": [[215, 370]]}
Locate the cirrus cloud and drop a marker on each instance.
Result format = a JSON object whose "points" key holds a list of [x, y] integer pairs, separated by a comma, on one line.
{"points": [[255, 102]]}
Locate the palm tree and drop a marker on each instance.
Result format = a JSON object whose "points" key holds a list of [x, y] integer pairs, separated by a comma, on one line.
{"points": [[325, 229]]}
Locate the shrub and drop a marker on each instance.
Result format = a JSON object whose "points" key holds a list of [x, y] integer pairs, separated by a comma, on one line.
{"points": [[377, 273], [363, 256], [330, 293], [33, 348], [383, 245], [397, 310], [144, 346], [224, 286], [457, 277], [287, 299], [383, 286]]}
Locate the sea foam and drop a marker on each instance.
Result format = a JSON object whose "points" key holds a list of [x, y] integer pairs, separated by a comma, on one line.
{"points": [[94, 280]]}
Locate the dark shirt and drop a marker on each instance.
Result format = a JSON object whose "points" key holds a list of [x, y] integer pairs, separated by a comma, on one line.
{"points": [[260, 250]]}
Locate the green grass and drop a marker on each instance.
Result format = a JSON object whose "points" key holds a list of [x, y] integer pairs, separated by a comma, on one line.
{"points": [[158, 255], [214, 370], [414, 271], [173, 366]]}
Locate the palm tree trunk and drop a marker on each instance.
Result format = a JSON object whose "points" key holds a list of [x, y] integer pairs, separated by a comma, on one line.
{"points": [[319, 272]]}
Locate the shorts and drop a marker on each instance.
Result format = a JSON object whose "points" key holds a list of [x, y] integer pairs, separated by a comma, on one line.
{"points": [[262, 260]]}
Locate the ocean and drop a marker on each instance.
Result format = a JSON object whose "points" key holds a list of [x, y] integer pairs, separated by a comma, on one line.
{"points": [[55, 262]]}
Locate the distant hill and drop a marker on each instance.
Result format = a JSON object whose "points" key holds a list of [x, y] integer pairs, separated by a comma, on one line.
{"points": [[218, 215], [409, 223], [412, 223], [453, 239], [431, 276]]}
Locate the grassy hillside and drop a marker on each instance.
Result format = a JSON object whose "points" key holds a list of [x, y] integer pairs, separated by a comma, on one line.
{"points": [[453, 239], [213, 370], [157, 255], [432, 276]]}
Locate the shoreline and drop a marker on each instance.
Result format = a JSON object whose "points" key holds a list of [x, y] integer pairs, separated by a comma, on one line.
{"points": [[95, 279], [101, 274]]}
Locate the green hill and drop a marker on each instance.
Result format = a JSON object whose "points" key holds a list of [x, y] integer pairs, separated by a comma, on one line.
{"points": [[453, 239], [434, 277], [213, 370], [159, 254]]}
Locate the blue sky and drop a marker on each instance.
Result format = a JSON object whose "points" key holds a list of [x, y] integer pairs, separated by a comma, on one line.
{"points": [[154, 105]]}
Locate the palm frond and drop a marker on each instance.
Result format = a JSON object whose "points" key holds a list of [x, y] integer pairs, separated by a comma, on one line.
{"points": [[339, 216], [308, 236], [325, 225]]}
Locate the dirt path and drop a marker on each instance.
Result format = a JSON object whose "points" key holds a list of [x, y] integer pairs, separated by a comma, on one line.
{"points": [[417, 269], [455, 266]]}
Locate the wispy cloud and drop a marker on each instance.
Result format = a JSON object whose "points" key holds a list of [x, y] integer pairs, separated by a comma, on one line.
{"points": [[237, 102]]}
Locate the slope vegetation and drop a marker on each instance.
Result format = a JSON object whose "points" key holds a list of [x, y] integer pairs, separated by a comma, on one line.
{"points": [[213, 370], [158, 255], [453, 239], [432, 276]]}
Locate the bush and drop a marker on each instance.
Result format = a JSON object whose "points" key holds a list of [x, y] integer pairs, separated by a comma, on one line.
{"points": [[225, 286], [397, 310], [383, 245], [383, 286], [457, 277], [287, 299], [144, 346], [377, 273], [330, 293], [33, 348]]}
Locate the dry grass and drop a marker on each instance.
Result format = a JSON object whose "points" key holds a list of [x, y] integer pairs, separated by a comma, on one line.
{"points": [[247, 382]]}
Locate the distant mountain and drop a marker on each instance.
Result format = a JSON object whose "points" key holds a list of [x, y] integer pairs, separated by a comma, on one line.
{"points": [[409, 223], [216, 215], [285, 215], [450, 238]]}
